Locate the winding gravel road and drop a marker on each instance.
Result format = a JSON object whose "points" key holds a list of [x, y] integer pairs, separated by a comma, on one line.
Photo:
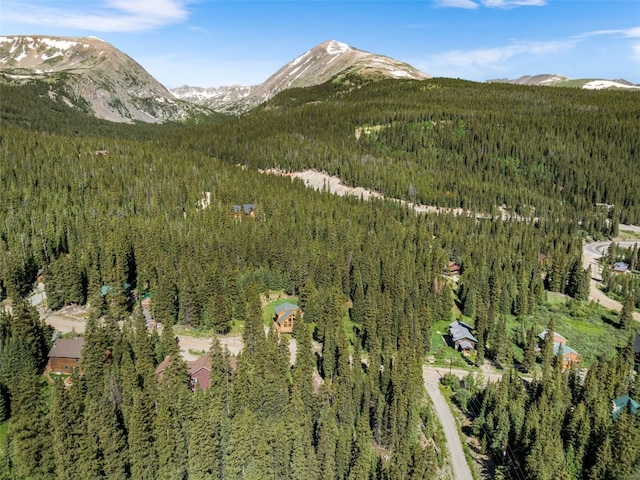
{"points": [[591, 253]]}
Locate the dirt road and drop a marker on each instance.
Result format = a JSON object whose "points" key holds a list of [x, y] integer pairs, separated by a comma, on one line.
{"points": [[461, 470], [591, 253]]}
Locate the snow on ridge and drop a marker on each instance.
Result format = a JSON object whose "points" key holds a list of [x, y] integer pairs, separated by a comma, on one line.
{"points": [[400, 73], [334, 48], [602, 84], [299, 59], [6, 39], [46, 56], [61, 44]]}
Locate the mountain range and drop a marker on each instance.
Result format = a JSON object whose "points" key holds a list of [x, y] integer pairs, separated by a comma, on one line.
{"points": [[92, 75], [314, 67]]}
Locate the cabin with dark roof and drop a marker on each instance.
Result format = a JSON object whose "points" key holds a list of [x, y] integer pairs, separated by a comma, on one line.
{"points": [[249, 209], [620, 267], [285, 317], [65, 355], [462, 337]]}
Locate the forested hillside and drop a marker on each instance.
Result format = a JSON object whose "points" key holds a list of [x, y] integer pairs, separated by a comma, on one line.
{"points": [[552, 153], [368, 274]]}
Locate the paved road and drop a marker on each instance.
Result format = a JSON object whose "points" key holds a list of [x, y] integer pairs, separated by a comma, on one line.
{"points": [[591, 253], [431, 377]]}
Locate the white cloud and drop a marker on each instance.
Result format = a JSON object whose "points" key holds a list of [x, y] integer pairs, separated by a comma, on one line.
{"points": [[468, 4], [513, 3], [472, 4], [100, 16], [496, 56], [633, 32]]}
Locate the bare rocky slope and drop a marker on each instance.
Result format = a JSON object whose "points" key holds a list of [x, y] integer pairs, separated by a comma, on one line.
{"points": [[92, 75], [314, 67]]}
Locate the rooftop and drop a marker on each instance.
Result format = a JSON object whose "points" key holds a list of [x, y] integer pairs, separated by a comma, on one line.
{"points": [[67, 348]]}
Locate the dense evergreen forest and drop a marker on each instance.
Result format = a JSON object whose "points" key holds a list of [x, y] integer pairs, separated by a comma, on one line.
{"points": [[368, 274]]}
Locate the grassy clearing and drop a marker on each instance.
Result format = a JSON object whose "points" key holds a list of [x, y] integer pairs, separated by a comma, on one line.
{"points": [[589, 328], [269, 310], [4, 430], [628, 235]]}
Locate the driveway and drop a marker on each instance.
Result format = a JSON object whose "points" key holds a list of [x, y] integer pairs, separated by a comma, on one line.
{"points": [[591, 253], [431, 377]]}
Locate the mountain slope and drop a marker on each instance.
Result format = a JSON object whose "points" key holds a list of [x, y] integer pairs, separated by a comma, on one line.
{"points": [[562, 81], [92, 75], [314, 67]]}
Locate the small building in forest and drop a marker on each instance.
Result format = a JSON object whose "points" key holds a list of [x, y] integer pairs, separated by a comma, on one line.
{"points": [[198, 370], [249, 209], [65, 355], [462, 337], [569, 356], [620, 267], [285, 317], [623, 403], [557, 338]]}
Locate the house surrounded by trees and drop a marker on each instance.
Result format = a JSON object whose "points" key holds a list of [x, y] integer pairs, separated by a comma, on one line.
{"points": [[65, 354], [462, 337], [285, 317]]}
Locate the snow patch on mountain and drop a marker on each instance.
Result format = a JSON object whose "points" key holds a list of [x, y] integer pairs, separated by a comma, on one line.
{"points": [[98, 78], [603, 84]]}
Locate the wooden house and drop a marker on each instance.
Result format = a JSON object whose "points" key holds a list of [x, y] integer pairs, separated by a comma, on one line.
{"points": [[237, 211], [570, 357], [285, 317], [65, 355], [198, 370], [462, 337], [454, 268], [557, 338]]}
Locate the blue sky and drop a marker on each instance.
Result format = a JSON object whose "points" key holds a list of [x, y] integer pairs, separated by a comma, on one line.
{"points": [[214, 43]]}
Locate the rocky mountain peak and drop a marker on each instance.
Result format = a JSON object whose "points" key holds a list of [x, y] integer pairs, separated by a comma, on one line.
{"points": [[314, 67], [98, 78]]}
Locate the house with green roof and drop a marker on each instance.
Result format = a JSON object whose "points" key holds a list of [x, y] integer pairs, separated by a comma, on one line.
{"points": [[625, 403]]}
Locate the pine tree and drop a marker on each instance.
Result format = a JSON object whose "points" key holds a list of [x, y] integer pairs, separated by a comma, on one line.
{"points": [[31, 439], [626, 314], [253, 332], [144, 462]]}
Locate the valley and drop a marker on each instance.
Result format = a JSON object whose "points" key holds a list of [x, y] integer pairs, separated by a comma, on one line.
{"points": [[325, 257]]}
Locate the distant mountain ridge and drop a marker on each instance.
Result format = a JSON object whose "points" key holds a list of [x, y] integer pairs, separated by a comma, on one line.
{"points": [[93, 76], [562, 81], [314, 67]]}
